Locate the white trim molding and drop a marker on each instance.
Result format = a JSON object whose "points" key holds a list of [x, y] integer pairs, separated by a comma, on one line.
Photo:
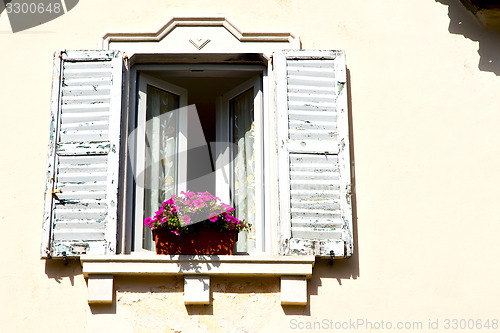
{"points": [[178, 34], [294, 271]]}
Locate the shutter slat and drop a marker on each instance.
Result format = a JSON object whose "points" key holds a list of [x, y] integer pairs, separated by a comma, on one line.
{"points": [[317, 233], [311, 97], [316, 176], [83, 161], [305, 222], [322, 203], [89, 126], [312, 115], [93, 65], [90, 161], [86, 90], [84, 135], [82, 98], [306, 63], [76, 235], [88, 81], [313, 71], [84, 176], [317, 82], [80, 225], [93, 170], [308, 212], [78, 204], [97, 106], [309, 146], [74, 187], [85, 73], [84, 214], [83, 148], [73, 195], [313, 132], [308, 89], [75, 118]]}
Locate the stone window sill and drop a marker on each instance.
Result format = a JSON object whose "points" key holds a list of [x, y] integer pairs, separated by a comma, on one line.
{"points": [[197, 270]]}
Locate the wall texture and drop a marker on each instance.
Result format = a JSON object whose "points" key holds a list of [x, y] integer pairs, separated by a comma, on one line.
{"points": [[423, 84]]}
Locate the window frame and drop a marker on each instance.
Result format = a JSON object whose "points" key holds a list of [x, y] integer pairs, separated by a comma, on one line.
{"points": [[292, 270], [128, 230], [225, 121], [139, 115]]}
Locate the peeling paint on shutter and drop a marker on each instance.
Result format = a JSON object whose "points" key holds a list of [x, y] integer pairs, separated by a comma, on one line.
{"points": [[313, 153], [83, 163]]}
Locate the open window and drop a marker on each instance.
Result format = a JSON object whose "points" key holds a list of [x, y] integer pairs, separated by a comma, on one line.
{"points": [[263, 129], [197, 128], [160, 136], [240, 124], [277, 150]]}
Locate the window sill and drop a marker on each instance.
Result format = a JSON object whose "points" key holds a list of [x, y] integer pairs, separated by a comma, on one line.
{"points": [[197, 270]]}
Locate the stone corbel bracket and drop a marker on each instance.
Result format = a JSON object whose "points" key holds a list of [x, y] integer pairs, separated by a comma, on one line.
{"points": [[197, 270]]}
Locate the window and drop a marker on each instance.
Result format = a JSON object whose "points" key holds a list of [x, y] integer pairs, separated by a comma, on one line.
{"points": [[299, 141], [195, 129]]}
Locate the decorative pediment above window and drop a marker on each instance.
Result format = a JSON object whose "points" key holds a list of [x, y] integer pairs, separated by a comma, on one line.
{"points": [[199, 35]]}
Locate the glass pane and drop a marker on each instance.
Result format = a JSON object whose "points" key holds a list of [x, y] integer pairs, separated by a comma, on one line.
{"points": [[161, 145], [243, 166]]}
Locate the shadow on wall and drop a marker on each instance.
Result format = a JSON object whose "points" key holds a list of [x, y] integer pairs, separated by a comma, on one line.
{"points": [[343, 268], [55, 269], [350, 268], [463, 22]]}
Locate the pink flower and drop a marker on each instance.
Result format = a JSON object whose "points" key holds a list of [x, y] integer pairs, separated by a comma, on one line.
{"points": [[159, 214], [148, 221], [202, 204], [186, 219]]}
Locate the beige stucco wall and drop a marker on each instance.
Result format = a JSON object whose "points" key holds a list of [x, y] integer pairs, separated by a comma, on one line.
{"points": [[425, 112]]}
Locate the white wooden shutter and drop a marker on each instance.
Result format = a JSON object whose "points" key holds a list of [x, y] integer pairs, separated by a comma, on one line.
{"points": [[313, 153], [83, 160]]}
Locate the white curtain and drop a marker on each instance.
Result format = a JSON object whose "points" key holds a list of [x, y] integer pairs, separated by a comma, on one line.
{"points": [[243, 175], [161, 142]]}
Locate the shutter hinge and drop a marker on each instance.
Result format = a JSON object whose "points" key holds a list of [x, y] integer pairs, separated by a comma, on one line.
{"points": [[348, 193], [126, 61], [341, 144], [65, 258]]}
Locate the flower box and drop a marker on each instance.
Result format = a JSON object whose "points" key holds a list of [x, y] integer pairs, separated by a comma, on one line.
{"points": [[202, 243], [195, 223]]}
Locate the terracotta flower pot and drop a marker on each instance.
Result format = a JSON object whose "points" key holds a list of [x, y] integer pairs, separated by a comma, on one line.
{"points": [[202, 242]]}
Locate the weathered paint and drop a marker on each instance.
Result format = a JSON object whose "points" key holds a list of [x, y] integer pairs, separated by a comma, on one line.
{"points": [[237, 305], [49, 181], [83, 163], [313, 131]]}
